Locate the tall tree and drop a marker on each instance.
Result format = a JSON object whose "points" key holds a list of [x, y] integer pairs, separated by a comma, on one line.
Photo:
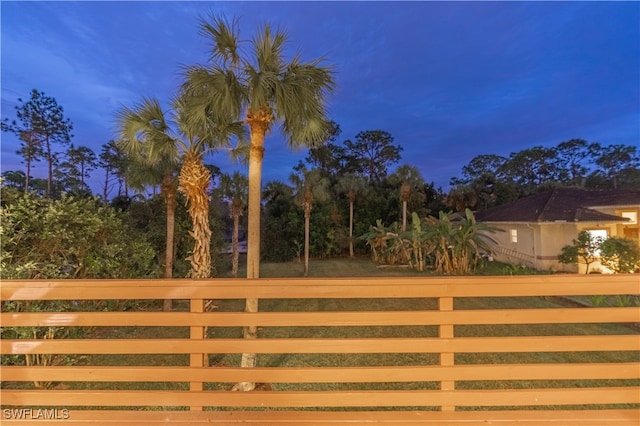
{"points": [[202, 132], [234, 188], [148, 138], [113, 160], [261, 86], [80, 162], [352, 186], [574, 155], [480, 167], [372, 153], [42, 124], [31, 145], [145, 137], [613, 159], [410, 182], [310, 187], [531, 168]]}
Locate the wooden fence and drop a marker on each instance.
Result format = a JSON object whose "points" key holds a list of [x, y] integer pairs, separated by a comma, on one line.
{"points": [[465, 350]]}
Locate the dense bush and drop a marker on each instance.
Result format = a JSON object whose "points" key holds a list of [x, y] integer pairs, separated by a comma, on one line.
{"points": [[64, 238], [621, 255], [69, 238]]}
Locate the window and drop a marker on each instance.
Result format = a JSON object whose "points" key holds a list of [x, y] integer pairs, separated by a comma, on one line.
{"points": [[514, 235], [632, 216], [595, 233]]}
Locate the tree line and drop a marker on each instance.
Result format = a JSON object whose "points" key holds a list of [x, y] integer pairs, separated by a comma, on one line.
{"points": [[487, 180], [339, 190], [491, 179]]}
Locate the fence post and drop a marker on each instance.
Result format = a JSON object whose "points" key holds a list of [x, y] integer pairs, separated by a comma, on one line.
{"points": [[446, 358], [196, 360]]}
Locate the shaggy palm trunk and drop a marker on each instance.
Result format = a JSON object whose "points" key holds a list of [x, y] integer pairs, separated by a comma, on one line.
{"points": [[169, 190], [259, 124], [194, 183]]}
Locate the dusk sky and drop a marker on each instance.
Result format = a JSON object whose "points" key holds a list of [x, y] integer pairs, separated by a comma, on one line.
{"points": [[449, 80]]}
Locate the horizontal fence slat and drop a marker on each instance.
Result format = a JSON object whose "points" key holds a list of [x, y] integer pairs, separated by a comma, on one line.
{"points": [[328, 318], [326, 374], [265, 288], [306, 418], [476, 398], [345, 345]]}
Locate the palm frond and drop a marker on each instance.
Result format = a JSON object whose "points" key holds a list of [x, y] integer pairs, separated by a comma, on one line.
{"points": [[225, 38], [145, 134], [215, 88], [268, 47], [260, 84], [299, 102], [206, 128]]}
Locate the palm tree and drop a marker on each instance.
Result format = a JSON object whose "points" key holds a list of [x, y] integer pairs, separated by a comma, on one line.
{"points": [[310, 187], [145, 138], [262, 87], [202, 132], [352, 185], [410, 181], [234, 188], [146, 132]]}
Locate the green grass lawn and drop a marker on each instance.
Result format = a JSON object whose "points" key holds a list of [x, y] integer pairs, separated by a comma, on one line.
{"points": [[335, 267], [355, 267]]}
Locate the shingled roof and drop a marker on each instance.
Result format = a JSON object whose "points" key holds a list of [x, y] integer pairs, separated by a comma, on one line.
{"points": [[562, 205]]}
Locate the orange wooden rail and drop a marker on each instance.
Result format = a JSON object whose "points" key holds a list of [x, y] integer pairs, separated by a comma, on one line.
{"points": [[517, 374]]}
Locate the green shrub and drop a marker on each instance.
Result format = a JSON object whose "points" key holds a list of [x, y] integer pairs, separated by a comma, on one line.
{"points": [[69, 238], [621, 255], [43, 238]]}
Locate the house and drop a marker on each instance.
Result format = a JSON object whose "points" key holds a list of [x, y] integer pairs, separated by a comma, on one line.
{"points": [[538, 227]]}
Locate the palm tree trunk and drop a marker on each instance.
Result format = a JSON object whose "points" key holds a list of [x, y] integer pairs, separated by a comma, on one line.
{"points": [[169, 191], [258, 131], [404, 215], [194, 182], [259, 126], [234, 245], [405, 196], [307, 214], [350, 228]]}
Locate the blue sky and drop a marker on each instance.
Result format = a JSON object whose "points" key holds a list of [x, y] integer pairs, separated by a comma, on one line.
{"points": [[449, 80]]}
